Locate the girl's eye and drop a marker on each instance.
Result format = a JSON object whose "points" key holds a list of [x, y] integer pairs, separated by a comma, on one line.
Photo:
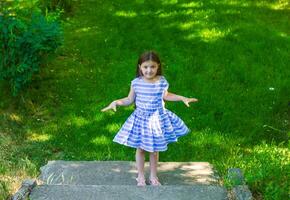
{"points": [[151, 66]]}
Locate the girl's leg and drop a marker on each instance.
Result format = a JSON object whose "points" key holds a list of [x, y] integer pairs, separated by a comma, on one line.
{"points": [[140, 162], [154, 157]]}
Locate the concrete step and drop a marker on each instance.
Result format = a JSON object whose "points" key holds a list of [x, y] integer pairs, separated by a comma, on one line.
{"points": [[127, 192], [124, 173]]}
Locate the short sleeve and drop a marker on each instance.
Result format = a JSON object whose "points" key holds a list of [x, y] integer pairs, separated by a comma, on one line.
{"points": [[133, 83], [166, 84]]}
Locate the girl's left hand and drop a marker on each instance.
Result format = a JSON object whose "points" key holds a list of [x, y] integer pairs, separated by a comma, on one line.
{"points": [[186, 100]]}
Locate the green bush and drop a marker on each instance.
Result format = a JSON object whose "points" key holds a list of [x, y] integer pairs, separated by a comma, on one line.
{"points": [[24, 42]]}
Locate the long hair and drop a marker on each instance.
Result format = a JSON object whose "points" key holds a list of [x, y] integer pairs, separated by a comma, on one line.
{"points": [[148, 56]]}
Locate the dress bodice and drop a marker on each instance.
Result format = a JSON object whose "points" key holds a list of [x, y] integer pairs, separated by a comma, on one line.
{"points": [[149, 96]]}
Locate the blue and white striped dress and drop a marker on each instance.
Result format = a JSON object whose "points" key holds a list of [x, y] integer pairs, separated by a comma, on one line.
{"points": [[151, 126]]}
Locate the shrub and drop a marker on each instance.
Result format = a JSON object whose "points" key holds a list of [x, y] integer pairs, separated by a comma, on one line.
{"points": [[24, 42]]}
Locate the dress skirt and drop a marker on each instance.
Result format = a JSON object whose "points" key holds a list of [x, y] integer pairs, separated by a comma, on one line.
{"points": [[151, 131]]}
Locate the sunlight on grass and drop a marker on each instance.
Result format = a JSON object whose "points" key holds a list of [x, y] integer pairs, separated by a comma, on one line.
{"points": [[169, 2], [191, 5], [113, 128], [232, 3], [85, 29], [101, 140], [174, 13], [39, 137], [10, 182], [278, 5], [204, 14], [126, 14], [194, 14], [16, 118], [164, 15], [188, 25], [285, 35], [272, 152], [275, 5], [79, 121], [208, 35]]}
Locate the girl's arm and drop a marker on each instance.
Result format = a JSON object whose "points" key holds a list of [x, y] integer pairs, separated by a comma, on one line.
{"points": [[173, 97], [121, 102], [127, 100]]}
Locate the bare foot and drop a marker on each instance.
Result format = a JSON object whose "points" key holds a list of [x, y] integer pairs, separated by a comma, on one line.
{"points": [[141, 181], [154, 181]]}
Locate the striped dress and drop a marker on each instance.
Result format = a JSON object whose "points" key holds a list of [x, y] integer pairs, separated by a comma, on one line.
{"points": [[151, 126]]}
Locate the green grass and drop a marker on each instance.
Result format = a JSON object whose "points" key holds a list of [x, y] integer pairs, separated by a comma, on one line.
{"points": [[231, 55]]}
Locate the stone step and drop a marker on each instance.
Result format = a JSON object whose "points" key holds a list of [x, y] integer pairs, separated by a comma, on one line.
{"points": [[124, 173], [127, 192]]}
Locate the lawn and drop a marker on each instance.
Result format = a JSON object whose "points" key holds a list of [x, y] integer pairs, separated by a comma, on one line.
{"points": [[232, 55]]}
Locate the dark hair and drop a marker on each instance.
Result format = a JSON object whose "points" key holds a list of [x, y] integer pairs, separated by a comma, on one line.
{"points": [[146, 56]]}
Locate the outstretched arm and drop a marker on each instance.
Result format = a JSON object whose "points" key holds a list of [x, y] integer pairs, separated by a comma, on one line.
{"points": [[173, 97], [121, 102]]}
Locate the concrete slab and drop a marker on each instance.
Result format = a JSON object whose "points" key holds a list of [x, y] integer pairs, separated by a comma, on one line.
{"points": [[124, 173], [128, 192]]}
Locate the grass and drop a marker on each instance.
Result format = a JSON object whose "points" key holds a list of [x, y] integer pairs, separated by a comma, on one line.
{"points": [[231, 55]]}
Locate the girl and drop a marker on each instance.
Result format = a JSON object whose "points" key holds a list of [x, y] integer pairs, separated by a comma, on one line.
{"points": [[151, 126]]}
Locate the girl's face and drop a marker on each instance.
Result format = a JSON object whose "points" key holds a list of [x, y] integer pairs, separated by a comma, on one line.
{"points": [[149, 69]]}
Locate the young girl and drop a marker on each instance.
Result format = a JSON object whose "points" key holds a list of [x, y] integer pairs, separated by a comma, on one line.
{"points": [[151, 126]]}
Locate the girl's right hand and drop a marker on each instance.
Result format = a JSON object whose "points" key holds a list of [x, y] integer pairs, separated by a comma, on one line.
{"points": [[186, 100], [112, 106]]}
